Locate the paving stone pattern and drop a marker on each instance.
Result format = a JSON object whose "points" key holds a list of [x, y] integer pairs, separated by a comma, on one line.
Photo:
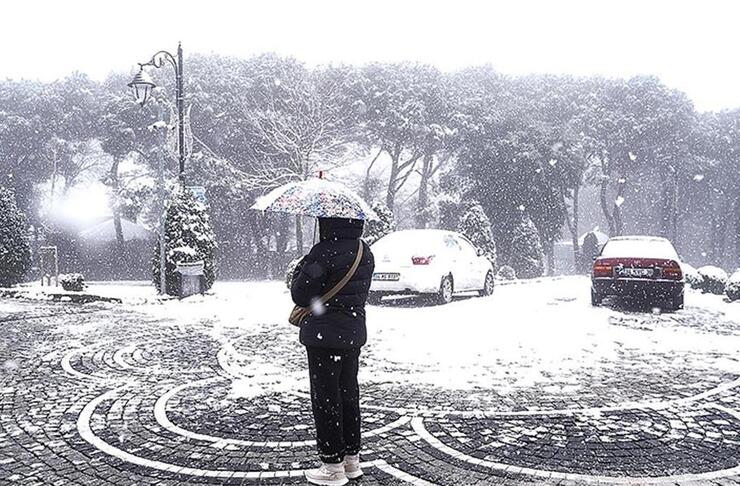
{"points": [[98, 394]]}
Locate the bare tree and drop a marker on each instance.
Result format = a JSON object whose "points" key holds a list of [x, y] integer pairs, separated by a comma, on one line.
{"points": [[300, 129]]}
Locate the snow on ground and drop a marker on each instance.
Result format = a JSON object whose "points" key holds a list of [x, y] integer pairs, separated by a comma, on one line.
{"points": [[533, 334], [130, 291]]}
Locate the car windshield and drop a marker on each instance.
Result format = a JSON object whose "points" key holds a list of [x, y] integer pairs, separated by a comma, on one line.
{"points": [[639, 248]]}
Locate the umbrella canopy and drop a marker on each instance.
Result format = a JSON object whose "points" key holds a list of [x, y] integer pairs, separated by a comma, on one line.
{"points": [[316, 197], [601, 238]]}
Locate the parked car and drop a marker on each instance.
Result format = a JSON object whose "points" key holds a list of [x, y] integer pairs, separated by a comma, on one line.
{"points": [[639, 267], [429, 262]]}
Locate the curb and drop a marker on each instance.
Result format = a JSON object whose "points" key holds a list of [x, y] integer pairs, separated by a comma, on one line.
{"points": [[59, 297], [521, 281]]}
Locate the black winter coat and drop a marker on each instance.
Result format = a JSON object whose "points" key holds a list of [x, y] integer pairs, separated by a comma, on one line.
{"points": [[341, 325]]}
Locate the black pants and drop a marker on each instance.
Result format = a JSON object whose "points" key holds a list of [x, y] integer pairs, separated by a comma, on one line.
{"points": [[335, 399]]}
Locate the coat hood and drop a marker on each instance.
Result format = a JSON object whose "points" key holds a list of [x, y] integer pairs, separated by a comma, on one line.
{"points": [[340, 228]]}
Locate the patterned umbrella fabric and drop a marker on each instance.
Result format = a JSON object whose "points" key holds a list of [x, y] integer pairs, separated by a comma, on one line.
{"points": [[316, 197]]}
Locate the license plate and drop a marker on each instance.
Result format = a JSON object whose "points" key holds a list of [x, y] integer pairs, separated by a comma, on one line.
{"points": [[634, 272], [386, 276]]}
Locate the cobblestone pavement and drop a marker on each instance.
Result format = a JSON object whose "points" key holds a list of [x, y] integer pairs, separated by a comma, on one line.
{"points": [[102, 394]]}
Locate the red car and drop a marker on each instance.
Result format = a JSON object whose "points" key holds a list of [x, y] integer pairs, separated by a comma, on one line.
{"points": [[639, 267]]}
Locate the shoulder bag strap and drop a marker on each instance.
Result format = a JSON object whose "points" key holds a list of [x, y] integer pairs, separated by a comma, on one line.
{"points": [[348, 276]]}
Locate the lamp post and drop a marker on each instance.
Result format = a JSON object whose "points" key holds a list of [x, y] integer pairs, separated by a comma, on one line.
{"points": [[142, 86]]}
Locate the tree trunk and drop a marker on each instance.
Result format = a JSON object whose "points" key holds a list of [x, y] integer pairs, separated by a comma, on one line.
{"points": [[53, 179], [605, 206], [422, 211], [572, 223], [617, 210], [115, 209], [719, 233], [550, 254], [576, 220], [366, 189], [668, 210], [299, 236], [118, 226], [390, 199], [261, 261]]}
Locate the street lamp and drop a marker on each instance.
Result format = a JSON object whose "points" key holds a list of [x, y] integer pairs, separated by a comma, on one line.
{"points": [[142, 85]]}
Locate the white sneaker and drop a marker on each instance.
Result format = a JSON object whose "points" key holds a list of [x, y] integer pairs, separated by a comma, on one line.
{"points": [[327, 475], [352, 466]]}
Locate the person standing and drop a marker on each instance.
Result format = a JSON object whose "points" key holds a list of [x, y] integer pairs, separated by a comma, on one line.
{"points": [[333, 334]]}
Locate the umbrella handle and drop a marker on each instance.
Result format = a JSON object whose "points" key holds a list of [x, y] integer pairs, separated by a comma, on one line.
{"points": [[315, 229]]}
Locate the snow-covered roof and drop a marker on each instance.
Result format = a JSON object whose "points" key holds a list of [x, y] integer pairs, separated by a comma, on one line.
{"points": [[639, 247], [405, 241], [638, 238], [106, 232]]}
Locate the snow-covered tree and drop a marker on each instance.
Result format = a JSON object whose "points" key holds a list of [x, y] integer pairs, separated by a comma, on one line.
{"points": [[449, 209], [476, 226], [692, 276], [527, 256], [375, 230], [506, 273], [714, 279], [15, 252], [189, 238], [733, 286]]}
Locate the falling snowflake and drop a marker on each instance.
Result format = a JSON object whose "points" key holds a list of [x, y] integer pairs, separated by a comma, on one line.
{"points": [[553, 162], [699, 177], [317, 308], [633, 157], [521, 207], [619, 201]]}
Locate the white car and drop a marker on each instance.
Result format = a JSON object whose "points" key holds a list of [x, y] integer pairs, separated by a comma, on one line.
{"points": [[429, 262]]}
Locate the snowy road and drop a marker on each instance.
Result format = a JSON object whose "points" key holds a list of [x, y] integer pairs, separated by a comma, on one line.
{"points": [[530, 385]]}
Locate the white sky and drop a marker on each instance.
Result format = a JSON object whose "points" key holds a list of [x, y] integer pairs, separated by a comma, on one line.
{"points": [[690, 45]]}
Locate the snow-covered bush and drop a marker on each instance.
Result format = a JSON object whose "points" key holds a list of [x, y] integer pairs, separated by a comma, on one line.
{"points": [[733, 286], [289, 271], [15, 251], [476, 226], [189, 238], [527, 257], [73, 282], [506, 273], [714, 279], [692, 276], [375, 230], [448, 209]]}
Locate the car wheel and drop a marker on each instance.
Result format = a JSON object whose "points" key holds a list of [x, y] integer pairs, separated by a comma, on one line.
{"points": [[676, 303], [487, 285], [596, 298], [446, 289], [374, 299]]}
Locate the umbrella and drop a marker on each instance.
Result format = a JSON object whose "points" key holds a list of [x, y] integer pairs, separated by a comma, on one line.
{"points": [[316, 197], [601, 238]]}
